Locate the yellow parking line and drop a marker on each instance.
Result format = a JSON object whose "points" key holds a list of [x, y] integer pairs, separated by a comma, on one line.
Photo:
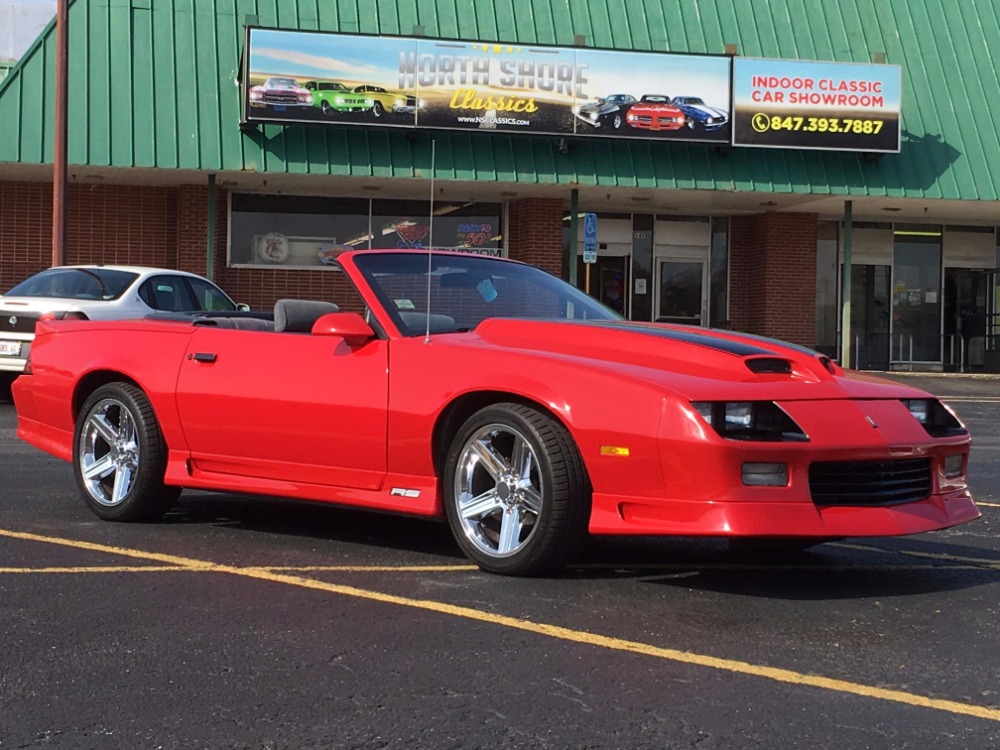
{"points": [[987, 505], [553, 631], [979, 562], [101, 569], [368, 568]]}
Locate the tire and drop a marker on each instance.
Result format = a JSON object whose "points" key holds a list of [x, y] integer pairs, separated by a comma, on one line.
{"points": [[692, 125], [616, 123], [120, 456], [327, 109], [377, 110], [517, 495]]}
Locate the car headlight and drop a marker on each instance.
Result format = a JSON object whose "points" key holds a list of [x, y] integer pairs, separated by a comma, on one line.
{"points": [[593, 116], [400, 102], [763, 421], [936, 418], [954, 465], [338, 100]]}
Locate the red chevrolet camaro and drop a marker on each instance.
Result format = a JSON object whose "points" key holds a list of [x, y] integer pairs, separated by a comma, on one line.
{"points": [[491, 394]]}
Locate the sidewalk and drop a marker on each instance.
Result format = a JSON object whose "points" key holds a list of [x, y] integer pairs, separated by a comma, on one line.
{"points": [[949, 384]]}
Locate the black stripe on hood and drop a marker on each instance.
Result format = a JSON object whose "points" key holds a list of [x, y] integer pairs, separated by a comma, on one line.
{"points": [[736, 348]]}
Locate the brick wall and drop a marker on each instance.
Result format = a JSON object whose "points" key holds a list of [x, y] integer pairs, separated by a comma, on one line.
{"points": [[535, 233], [104, 224], [773, 276]]}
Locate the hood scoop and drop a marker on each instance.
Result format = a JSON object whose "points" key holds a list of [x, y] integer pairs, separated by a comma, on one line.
{"points": [[768, 366]]}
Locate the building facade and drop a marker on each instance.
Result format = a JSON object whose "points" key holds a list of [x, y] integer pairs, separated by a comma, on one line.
{"points": [[884, 259]]}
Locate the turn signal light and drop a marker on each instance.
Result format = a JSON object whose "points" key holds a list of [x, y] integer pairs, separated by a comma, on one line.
{"points": [[765, 475]]}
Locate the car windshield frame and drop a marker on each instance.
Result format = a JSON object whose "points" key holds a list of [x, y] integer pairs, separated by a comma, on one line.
{"points": [[112, 283], [467, 286]]}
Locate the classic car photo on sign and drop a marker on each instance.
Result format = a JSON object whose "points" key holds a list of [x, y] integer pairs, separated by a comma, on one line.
{"points": [[466, 392]]}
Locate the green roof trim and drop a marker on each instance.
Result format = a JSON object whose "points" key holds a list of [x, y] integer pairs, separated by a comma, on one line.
{"points": [[153, 84]]}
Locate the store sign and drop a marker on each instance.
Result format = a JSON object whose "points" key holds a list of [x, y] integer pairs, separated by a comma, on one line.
{"points": [[377, 81], [816, 105]]}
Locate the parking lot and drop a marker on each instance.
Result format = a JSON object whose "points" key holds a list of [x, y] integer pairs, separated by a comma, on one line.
{"points": [[257, 623]]}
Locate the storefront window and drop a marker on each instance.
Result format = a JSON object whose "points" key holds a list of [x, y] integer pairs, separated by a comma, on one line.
{"points": [[719, 310], [309, 232], [826, 288], [294, 231], [469, 226]]}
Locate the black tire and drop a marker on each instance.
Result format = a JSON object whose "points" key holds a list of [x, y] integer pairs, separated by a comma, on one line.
{"points": [[539, 506], [616, 122], [691, 123], [119, 456], [377, 110], [6, 381], [325, 106]]}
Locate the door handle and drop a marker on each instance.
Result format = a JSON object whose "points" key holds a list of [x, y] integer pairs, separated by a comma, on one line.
{"points": [[203, 357]]}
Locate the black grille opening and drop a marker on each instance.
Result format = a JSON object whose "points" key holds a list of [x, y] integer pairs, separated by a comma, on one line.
{"points": [[769, 366], [870, 482]]}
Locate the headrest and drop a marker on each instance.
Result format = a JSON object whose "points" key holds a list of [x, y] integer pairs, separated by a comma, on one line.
{"points": [[298, 315]]}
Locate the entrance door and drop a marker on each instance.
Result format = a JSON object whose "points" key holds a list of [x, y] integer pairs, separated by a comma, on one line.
{"points": [[966, 294], [870, 317], [681, 291], [608, 281]]}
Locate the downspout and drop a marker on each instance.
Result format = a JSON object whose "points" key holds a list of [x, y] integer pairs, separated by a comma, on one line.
{"points": [[570, 252], [59, 158], [210, 240]]}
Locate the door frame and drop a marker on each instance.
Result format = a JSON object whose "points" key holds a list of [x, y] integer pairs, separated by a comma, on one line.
{"points": [[658, 262]]}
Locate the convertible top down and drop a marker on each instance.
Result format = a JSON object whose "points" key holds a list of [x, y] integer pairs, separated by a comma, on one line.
{"points": [[491, 394]]}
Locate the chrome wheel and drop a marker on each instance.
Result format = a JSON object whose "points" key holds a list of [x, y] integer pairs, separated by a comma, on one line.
{"points": [[121, 456], [109, 452], [498, 490], [516, 493]]}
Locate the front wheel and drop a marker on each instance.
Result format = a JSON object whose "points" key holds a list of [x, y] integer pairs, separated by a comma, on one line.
{"points": [[516, 492], [378, 110], [120, 456]]}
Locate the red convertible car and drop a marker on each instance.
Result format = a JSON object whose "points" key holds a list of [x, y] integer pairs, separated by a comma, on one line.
{"points": [[491, 394]]}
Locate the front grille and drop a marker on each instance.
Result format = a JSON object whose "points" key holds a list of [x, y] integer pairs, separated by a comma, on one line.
{"points": [[769, 366], [411, 101], [870, 482], [23, 322], [280, 98]]}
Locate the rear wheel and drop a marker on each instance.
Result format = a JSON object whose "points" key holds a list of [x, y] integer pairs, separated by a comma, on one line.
{"points": [[516, 492], [120, 456], [377, 109]]}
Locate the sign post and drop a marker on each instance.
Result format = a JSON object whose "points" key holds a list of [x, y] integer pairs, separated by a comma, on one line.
{"points": [[589, 246]]}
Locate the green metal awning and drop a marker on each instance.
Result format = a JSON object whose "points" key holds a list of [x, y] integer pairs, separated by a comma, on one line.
{"points": [[153, 85]]}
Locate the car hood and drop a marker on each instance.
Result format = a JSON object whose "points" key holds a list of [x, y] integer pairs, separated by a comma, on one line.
{"points": [[695, 362], [704, 109], [600, 108]]}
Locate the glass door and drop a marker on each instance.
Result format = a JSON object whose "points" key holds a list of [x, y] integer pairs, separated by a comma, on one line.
{"points": [[870, 317], [681, 291], [916, 307]]}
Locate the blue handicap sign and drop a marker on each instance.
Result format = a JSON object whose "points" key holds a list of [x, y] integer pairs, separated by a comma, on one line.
{"points": [[590, 238]]}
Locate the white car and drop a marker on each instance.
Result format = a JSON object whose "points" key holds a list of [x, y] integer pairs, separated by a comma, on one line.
{"points": [[98, 293]]}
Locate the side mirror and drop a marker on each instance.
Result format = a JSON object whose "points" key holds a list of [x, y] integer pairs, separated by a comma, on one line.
{"points": [[243, 307], [347, 325]]}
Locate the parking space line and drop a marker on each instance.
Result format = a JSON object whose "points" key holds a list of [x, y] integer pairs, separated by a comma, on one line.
{"points": [[367, 568], [987, 505], [979, 562], [100, 569], [558, 632]]}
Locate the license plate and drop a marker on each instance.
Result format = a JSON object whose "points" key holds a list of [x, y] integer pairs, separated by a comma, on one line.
{"points": [[10, 348], [280, 108]]}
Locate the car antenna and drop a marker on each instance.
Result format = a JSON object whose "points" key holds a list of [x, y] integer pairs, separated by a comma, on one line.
{"points": [[430, 246]]}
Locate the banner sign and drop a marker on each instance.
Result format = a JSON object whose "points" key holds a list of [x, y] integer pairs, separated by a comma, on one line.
{"points": [[816, 105], [349, 79]]}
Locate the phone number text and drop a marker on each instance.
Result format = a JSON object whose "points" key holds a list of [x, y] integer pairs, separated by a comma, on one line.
{"points": [[763, 123]]}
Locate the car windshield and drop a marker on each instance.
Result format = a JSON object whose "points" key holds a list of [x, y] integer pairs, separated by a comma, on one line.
{"points": [[75, 283], [656, 99], [689, 100], [466, 289], [281, 82], [332, 87]]}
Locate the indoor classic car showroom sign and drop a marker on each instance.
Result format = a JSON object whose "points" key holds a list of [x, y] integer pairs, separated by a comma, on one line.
{"points": [[405, 82], [800, 104]]}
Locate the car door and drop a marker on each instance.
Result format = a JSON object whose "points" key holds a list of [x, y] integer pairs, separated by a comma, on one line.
{"points": [[285, 406]]}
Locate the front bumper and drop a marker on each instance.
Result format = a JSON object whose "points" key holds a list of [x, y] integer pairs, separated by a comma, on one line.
{"points": [[657, 517]]}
